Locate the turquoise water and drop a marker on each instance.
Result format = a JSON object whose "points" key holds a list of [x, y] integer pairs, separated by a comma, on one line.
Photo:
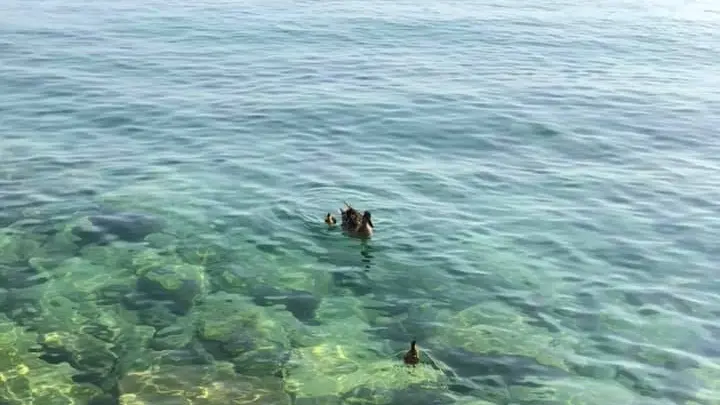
{"points": [[543, 178]]}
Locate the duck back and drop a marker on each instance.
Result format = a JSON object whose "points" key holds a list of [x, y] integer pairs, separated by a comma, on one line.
{"points": [[351, 218]]}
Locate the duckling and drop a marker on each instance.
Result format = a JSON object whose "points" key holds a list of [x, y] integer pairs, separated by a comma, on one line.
{"points": [[330, 219], [412, 357]]}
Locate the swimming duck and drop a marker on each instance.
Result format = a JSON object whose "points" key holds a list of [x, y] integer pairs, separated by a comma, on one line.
{"points": [[412, 357], [330, 219], [353, 222]]}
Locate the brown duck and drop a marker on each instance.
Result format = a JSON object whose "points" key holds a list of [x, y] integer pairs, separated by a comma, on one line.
{"points": [[412, 357], [355, 223]]}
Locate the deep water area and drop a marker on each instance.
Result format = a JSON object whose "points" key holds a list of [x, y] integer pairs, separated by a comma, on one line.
{"points": [[543, 179]]}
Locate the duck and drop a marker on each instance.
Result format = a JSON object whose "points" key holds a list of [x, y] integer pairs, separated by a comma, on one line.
{"points": [[354, 223], [330, 219], [412, 357]]}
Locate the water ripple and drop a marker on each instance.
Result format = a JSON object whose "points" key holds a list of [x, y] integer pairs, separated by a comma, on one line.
{"points": [[512, 154]]}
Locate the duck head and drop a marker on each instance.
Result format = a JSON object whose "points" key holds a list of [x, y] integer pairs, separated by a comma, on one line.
{"points": [[367, 219]]}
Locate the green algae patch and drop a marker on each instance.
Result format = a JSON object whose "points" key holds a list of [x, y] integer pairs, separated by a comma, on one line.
{"points": [[494, 328], [213, 384], [25, 379]]}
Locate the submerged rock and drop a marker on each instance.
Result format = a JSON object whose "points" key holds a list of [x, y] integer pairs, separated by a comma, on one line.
{"points": [[112, 294], [495, 329], [345, 357], [705, 381], [333, 369], [164, 276], [574, 390], [132, 348], [28, 380], [180, 283], [175, 336], [82, 281], [191, 354], [3, 297], [126, 226], [301, 304], [225, 317], [17, 248], [80, 334], [90, 356], [253, 338], [326, 400], [20, 259], [150, 312], [22, 307], [414, 394], [19, 277], [357, 282], [213, 384], [118, 257], [405, 319], [506, 369]]}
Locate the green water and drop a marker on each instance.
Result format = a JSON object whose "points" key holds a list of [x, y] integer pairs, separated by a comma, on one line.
{"points": [[542, 178]]}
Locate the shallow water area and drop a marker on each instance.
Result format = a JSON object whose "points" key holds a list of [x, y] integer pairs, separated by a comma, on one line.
{"points": [[542, 178]]}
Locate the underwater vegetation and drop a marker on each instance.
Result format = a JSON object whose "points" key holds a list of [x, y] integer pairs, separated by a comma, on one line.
{"points": [[116, 308]]}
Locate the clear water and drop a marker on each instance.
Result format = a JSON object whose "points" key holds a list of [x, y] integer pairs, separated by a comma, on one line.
{"points": [[543, 177]]}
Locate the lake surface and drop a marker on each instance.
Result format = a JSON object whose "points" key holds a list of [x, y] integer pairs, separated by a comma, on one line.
{"points": [[543, 178]]}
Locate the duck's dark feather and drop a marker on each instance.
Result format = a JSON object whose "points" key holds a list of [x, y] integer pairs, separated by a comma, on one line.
{"points": [[351, 218]]}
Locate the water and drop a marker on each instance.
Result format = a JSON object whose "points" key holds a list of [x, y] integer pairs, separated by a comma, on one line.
{"points": [[543, 177]]}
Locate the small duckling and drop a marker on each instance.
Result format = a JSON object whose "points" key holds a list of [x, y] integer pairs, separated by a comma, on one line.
{"points": [[412, 357], [330, 219]]}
